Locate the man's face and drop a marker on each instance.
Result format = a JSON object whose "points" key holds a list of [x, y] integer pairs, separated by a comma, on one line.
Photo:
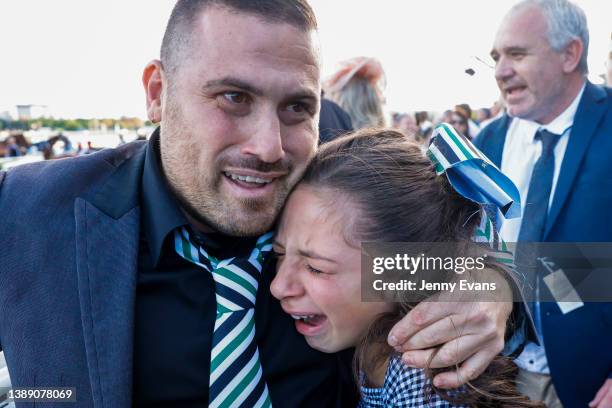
{"points": [[528, 71], [239, 119]]}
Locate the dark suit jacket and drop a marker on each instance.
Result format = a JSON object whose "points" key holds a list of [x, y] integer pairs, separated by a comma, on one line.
{"points": [[333, 121], [69, 236], [579, 343]]}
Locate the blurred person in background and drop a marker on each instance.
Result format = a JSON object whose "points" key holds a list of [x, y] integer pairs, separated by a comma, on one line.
{"points": [[407, 124], [459, 120], [554, 143], [496, 111], [467, 112], [482, 115], [425, 126], [447, 116], [358, 88], [12, 148], [395, 117]]}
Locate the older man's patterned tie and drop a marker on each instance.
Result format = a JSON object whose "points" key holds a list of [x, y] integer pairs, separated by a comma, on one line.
{"points": [[236, 377]]}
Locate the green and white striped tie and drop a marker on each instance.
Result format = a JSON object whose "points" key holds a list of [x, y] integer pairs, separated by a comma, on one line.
{"points": [[236, 377]]}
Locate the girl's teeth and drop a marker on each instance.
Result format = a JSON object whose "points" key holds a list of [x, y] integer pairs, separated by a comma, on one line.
{"points": [[298, 317]]}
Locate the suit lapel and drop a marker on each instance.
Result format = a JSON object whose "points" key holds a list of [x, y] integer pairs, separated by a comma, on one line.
{"points": [[590, 112], [107, 238]]}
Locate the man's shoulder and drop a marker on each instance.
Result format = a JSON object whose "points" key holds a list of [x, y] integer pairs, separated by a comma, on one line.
{"points": [[594, 95], [495, 125], [595, 109], [492, 132]]}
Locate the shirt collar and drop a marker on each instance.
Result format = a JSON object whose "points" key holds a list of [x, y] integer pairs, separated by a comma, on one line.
{"points": [[161, 213]]}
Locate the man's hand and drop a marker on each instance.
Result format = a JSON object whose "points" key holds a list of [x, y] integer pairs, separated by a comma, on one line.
{"points": [[603, 399], [472, 334]]}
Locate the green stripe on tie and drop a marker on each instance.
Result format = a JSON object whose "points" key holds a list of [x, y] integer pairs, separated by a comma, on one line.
{"points": [[237, 279], [187, 250], [229, 348], [222, 309], [246, 380]]}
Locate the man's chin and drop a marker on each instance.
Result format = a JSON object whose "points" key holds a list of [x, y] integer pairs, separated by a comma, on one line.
{"points": [[526, 109], [517, 112], [248, 221]]}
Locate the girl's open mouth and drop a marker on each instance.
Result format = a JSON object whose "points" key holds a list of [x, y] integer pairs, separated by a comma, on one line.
{"points": [[309, 325]]}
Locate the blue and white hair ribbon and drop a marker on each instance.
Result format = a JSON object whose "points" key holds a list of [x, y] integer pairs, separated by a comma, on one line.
{"points": [[476, 178], [471, 173]]}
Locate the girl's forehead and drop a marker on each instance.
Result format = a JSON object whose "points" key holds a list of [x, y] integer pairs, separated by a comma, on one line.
{"points": [[322, 218]]}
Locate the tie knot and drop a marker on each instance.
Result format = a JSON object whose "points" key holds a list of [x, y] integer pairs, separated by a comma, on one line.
{"points": [[549, 140]]}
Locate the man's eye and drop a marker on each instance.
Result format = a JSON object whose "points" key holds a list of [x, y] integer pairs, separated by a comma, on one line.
{"points": [[297, 108], [296, 112], [236, 97]]}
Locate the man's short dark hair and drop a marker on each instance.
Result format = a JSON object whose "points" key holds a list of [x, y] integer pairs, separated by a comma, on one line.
{"points": [[181, 23]]}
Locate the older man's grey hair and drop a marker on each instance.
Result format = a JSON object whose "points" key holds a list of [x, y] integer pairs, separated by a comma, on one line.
{"points": [[566, 22]]}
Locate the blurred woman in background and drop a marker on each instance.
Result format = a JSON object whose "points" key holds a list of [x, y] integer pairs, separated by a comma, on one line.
{"points": [[358, 88]]}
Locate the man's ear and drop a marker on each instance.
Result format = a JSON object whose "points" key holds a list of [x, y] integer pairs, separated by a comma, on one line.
{"points": [[572, 55], [153, 81]]}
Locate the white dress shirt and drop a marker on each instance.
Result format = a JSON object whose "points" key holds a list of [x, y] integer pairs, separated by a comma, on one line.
{"points": [[521, 151]]}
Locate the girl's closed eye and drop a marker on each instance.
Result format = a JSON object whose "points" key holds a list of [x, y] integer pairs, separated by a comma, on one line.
{"points": [[313, 270]]}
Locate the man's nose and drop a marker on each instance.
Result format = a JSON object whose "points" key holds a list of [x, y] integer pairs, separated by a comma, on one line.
{"points": [[503, 69], [266, 141], [286, 283]]}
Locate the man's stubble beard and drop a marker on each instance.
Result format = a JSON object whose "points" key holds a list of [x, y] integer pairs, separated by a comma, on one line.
{"points": [[200, 195]]}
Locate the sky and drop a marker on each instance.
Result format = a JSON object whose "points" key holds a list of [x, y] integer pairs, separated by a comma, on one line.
{"points": [[85, 58]]}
